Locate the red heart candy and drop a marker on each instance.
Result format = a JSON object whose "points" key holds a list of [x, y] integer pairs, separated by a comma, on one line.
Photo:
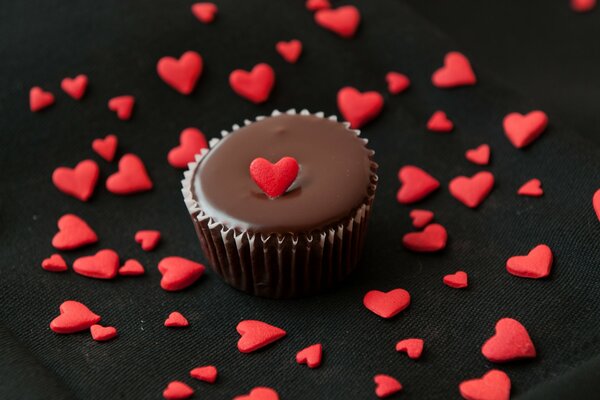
{"points": [[73, 232], [456, 72], [148, 239], [479, 155], [521, 129], [74, 317], [343, 21], [54, 263], [397, 82], [472, 191], [413, 347], [582, 6], [131, 178], [75, 87], [511, 342], [39, 99], [132, 268], [256, 335], [290, 51], [316, 5], [259, 393], [206, 374], [386, 304], [310, 356], [255, 85], [106, 148], [457, 280], [596, 203], [181, 74], [191, 141], [102, 265], [532, 188], [78, 182], [386, 386], [359, 108], [433, 238], [494, 385], [102, 333], [205, 12], [123, 106], [421, 218], [177, 390], [416, 184], [179, 273], [439, 122], [536, 264], [274, 179], [176, 320]]}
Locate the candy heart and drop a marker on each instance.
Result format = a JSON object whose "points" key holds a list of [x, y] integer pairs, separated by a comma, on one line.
{"points": [[148, 239], [457, 280], [274, 179], [532, 188], [397, 82], [39, 99], [290, 51], [205, 12], [131, 178], [386, 304], [479, 155], [316, 5], [582, 6], [259, 393], [73, 232], [439, 122], [413, 347], [511, 342], [123, 106], [256, 335], [416, 184], [106, 148], [191, 141], [310, 356], [433, 238], [494, 385], [521, 129], [343, 21], [54, 263], [456, 72], [177, 390], [176, 320], [132, 268], [472, 191], [78, 182], [102, 265], [181, 74], [103, 333], [75, 87], [359, 108], [206, 374], [421, 218], [596, 203], [536, 264], [179, 273], [255, 85], [386, 386], [74, 317]]}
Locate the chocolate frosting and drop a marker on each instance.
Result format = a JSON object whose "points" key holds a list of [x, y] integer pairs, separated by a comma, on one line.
{"points": [[334, 179]]}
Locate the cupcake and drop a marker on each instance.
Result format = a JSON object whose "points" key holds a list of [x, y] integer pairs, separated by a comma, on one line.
{"points": [[281, 204]]}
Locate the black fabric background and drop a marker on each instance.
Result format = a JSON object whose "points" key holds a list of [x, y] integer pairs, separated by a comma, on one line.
{"points": [[117, 43]]}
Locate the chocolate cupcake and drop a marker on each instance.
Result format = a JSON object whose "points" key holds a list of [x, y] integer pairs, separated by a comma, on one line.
{"points": [[288, 229]]}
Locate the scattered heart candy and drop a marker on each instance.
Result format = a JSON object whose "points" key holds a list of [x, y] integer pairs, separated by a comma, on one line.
{"points": [[439, 122], [74, 317], [205, 12], [431, 239], [386, 304], [311, 356], [259, 393], [132, 268], [78, 182], [39, 99], [531, 188], [386, 385], [397, 82], [494, 385], [181, 74], [75, 87], [416, 184], [535, 265], [413, 347], [343, 21], [176, 320], [255, 85], [421, 218], [479, 155], [274, 179], [596, 203], [290, 51], [472, 191], [207, 373], [102, 265], [177, 390], [582, 6], [191, 141], [131, 177], [103, 333], [54, 263], [511, 342], [73, 233], [457, 280], [457, 71], [148, 239], [123, 106], [359, 108], [106, 148], [178, 273], [256, 335], [521, 129], [316, 5]]}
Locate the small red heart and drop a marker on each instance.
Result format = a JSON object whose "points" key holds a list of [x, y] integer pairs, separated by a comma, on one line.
{"points": [[274, 179], [413, 347], [181, 74], [536, 264], [439, 122], [39, 99], [386, 304], [310, 356], [54, 263], [123, 106], [255, 85], [290, 51], [494, 385], [456, 72], [521, 129], [256, 335], [176, 320], [421, 218], [75, 87], [259, 393], [397, 82], [472, 191], [102, 265], [132, 268], [316, 5], [102, 333], [191, 141], [73, 232], [78, 182], [74, 317], [343, 21], [532, 188], [106, 148], [386, 386], [359, 108], [457, 280], [511, 342], [431, 239], [205, 12], [596, 203], [207, 373], [416, 184], [131, 178], [582, 6], [179, 273], [479, 155], [177, 390], [147, 239]]}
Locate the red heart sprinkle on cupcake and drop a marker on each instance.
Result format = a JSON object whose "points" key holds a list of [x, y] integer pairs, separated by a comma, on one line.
{"points": [[123, 106], [457, 71], [343, 21], [178, 273], [54, 263], [177, 390], [256, 335], [290, 51], [494, 385], [433, 238], [386, 304], [103, 333], [311, 356], [131, 177], [78, 182], [74, 317], [75, 87], [191, 141], [39, 99], [479, 155], [358, 108], [102, 265], [535, 265], [472, 191], [176, 320], [206, 373], [531, 188], [205, 12], [132, 268], [106, 148], [421, 218], [274, 179], [413, 347], [386, 385], [511, 342], [259, 393], [397, 82], [181, 74], [316, 5], [522, 130], [416, 184], [73, 233], [255, 85], [457, 280], [439, 122], [148, 239]]}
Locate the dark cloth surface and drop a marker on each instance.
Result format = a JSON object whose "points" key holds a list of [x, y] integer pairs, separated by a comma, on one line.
{"points": [[117, 44]]}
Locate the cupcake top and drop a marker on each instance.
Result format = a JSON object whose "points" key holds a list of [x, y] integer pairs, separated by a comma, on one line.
{"points": [[334, 178]]}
